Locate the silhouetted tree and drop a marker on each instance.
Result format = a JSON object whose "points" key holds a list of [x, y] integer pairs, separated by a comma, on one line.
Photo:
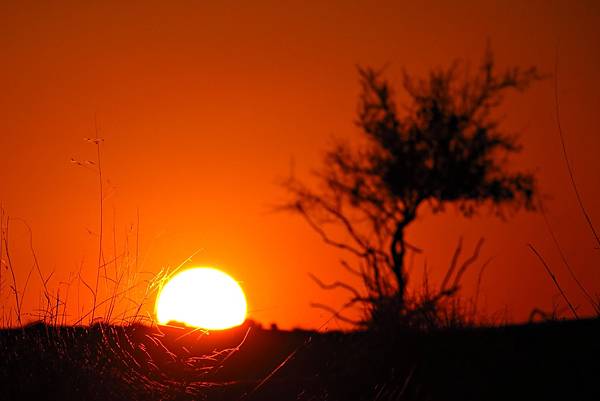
{"points": [[444, 146]]}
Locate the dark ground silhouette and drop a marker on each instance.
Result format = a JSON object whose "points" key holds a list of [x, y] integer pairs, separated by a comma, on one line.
{"points": [[554, 360]]}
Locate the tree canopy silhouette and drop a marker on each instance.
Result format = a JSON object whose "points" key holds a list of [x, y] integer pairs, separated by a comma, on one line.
{"points": [[444, 146]]}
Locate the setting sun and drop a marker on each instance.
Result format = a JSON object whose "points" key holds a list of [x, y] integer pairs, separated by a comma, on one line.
{"points": [[202, 297]]}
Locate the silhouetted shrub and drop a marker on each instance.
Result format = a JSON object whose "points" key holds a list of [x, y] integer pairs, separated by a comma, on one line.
{"points": [[444, 146]]}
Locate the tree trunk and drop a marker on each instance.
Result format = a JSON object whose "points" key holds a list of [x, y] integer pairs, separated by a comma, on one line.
{"points": [[398, 251]]}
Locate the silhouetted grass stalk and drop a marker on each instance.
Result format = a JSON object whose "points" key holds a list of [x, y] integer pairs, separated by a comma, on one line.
{"points": [[594, 303], [566, 157], [553, 277], [97, 142], [5, 237]]}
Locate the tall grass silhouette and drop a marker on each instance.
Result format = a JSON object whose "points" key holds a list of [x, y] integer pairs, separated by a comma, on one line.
{"points": [[114, 349]]}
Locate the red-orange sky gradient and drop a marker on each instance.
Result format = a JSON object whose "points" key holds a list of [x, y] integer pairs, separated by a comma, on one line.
{"points": [[204, 107]]}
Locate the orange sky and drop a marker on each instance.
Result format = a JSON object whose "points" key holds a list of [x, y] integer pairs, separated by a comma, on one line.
{"points": [[203, 107]]}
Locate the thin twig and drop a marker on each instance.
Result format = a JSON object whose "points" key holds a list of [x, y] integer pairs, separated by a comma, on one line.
{"points": [[468, 263], [457, 252], [334, 285], [337, 314]]}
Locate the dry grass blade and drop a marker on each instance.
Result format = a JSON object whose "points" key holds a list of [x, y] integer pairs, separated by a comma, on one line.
{"points": [[566, 157], [589, 297], [5, 237], [553, 277]]}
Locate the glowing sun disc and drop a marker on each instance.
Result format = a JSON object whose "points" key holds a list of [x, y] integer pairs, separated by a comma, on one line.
{"points": [[202, 297]]}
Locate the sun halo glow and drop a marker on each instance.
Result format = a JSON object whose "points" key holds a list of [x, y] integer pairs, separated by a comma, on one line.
{"points": [[202, 297]]}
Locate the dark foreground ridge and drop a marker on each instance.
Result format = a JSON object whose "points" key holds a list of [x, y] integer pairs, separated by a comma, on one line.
{"points": [[556, 360]]}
